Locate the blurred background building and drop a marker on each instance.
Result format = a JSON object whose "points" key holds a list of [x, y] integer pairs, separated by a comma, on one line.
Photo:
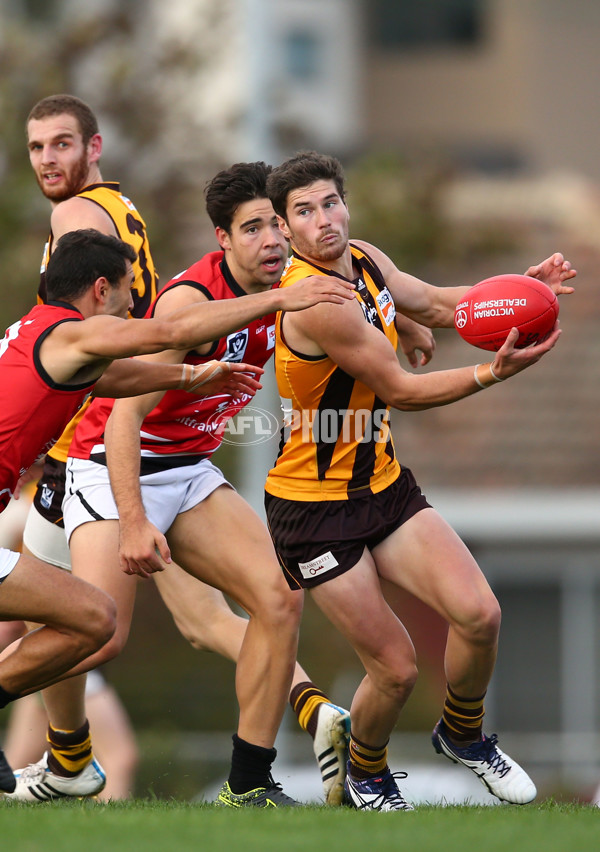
{"points": [[469, 131]]}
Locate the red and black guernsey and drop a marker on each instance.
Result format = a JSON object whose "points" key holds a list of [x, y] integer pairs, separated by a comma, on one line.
{"points": [[35, 409], [184, 427]]}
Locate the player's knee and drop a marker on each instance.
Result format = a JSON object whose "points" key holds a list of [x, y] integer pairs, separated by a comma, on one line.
{"points": [[194, 634], [399, 681], [276, 604], [483, 625], [286, 607], [111, 648], [102, 621]]}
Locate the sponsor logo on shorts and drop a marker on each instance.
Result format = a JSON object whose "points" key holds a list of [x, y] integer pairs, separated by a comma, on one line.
{"points": [[318, 566]]}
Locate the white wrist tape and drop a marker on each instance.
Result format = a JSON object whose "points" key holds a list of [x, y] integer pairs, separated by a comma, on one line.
{"points": [[494, 376], [192, 378]]}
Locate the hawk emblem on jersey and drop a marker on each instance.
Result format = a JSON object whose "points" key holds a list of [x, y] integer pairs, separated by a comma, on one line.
{"points": [[369, 312], [236, 345]]}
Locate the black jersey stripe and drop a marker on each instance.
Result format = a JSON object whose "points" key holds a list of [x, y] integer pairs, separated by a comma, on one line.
{"points": [[365, 456], [330, 417]]}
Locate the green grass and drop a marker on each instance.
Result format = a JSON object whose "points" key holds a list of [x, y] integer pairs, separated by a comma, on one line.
{"points": [[174, 826]]}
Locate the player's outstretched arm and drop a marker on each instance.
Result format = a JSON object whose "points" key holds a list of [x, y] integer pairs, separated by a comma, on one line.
{"points": [[424, 303], [99, 339], [136, 376], [363, 352]]}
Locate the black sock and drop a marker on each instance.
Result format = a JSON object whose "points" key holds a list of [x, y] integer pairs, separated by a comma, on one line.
{"points": [[250, 766], [7, 697]]}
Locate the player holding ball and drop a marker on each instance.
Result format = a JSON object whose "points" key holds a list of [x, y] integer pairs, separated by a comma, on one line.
{"points": [[345, 515]]}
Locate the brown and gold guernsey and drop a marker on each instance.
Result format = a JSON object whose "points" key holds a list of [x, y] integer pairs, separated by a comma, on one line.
{"points": [[131, 228], [336, 442]]}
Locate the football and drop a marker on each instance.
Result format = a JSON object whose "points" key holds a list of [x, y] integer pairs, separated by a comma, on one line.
{"points": [[488, 311]]}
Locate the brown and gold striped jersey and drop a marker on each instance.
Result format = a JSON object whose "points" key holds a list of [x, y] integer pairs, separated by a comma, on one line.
{"points": [[336, 442]]}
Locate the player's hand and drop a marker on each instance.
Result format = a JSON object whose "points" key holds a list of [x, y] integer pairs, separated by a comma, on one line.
{"points": [[414, 338], [510, 361], [216, 377], [313, 290], [143, 549], [32, 474], [554, 271]]}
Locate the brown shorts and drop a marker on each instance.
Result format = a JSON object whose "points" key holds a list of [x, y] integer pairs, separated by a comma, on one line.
{"points": [[316, 542]]}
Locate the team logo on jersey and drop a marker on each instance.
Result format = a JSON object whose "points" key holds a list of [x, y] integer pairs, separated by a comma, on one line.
{"points": [[370, 313], [386, 306], [271, 337], [236, 345]]}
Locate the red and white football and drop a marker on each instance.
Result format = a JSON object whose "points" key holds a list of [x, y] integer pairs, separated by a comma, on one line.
{"points": [[488, 311]]}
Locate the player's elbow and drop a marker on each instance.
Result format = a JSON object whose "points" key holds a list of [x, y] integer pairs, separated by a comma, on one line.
{"points": [[403, 401]]}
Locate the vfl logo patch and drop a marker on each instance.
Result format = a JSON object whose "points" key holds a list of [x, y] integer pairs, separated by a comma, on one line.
{"points": [[47, 497], [236, 345], [386, 306], [270, 337], [317, 566]]}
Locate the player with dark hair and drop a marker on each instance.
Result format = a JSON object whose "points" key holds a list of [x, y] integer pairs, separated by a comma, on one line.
{"points": [[49, 361], [202, 615], [65, 148], [344, 514], [186, 494]]}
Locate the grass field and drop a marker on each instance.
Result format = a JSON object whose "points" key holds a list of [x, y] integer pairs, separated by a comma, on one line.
{"points": [[174, 827]]}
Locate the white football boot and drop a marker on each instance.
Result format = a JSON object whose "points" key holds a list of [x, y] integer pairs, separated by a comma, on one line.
{"points": [[331, 750], [36, 783], [503, 776]]}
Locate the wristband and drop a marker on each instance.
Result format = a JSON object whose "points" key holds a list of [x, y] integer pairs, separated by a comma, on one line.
{"points": [[494, 376], [187, 371], [192, 378], [476, 377]]}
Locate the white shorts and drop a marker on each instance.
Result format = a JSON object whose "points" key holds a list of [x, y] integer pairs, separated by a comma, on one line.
{"points": [[165, 494], [8, 560], [46, 540]]}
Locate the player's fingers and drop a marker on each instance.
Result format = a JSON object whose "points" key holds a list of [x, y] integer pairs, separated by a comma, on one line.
{"points": [[511, 337], [246, 368], [162, 549]]}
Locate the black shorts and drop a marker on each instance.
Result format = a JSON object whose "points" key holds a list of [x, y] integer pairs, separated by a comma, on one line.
{"points": [[317, 541]]}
